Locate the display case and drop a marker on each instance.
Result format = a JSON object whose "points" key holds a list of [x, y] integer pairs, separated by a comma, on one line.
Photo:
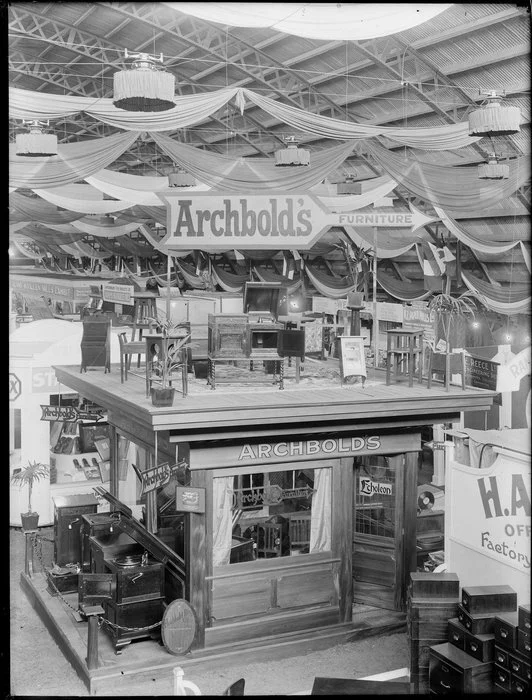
{"points": [[228, 336], [265, 299], [263, 339]]}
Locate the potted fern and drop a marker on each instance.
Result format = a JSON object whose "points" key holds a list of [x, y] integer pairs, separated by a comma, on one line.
{"points": [[29, 475]]}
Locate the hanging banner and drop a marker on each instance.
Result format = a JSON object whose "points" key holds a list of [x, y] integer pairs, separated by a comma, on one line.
{"points": [[245, 221], [156, 477], [510, 374], [118, 293]]}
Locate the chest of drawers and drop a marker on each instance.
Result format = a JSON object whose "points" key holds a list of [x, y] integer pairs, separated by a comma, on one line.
{"points": [[480, 646], [476, 623], [505, 630], [523, 615], [452, 671], [137, 583]]}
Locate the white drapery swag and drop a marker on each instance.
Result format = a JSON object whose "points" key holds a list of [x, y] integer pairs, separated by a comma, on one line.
{"points": [[222, 503], [26, 104], [320, 521], [314, 20]]}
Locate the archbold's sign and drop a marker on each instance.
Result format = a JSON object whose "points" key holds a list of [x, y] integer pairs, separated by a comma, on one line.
{"points": [[274, 221], [301, 450]]}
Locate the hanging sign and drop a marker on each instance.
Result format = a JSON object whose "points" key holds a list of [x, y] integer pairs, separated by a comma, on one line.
{"points": [[386, 218], [272, 495], [156, 477], [69, 413], [245, 221], [15, 387]]}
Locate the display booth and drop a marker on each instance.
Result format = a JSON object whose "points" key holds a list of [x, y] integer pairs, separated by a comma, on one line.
{"points": [[34, 348]]}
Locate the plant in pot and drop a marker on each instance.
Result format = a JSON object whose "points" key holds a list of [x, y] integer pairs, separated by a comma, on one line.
{"points": [[29, 475], [170, 363]]}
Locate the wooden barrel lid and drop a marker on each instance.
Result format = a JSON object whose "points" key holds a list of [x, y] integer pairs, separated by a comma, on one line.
{"points": [[178, 627]]}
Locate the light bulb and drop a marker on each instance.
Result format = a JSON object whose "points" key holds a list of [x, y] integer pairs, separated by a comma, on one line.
{"points": [[508, 337], [475, 324]]}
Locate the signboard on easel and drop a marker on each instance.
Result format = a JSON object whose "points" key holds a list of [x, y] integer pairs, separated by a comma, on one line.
{"points": [[352, 359]]}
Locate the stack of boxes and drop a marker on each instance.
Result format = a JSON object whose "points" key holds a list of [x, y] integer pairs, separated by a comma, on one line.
{"points": [[465, 663], [512, 651], [432, 600]]}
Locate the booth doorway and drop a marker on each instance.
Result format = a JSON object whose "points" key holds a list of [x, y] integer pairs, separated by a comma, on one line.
{"points": [[385, 508]]}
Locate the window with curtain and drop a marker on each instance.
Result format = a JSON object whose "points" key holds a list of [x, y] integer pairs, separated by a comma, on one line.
{"points": [[271, 514]]}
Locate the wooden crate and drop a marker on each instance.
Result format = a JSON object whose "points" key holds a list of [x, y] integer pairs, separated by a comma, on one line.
{"points": [[427, 584], [482, 599]]}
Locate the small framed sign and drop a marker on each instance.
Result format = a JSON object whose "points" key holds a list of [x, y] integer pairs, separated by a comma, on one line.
{"points": [[352, 358], [189, 499]]}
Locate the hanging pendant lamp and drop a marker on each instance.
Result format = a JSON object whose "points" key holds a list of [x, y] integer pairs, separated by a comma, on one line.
{"points": [[493, 118], [144, 88], [349, 186], [493, 170], [292, 155], [35, 142], [180, 178]]}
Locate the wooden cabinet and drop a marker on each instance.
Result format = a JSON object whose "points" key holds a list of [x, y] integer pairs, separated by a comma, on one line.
{"points": [[96, 344], [481, 599], [505, 629], [68, 512], [139, 618], [452, 671]]}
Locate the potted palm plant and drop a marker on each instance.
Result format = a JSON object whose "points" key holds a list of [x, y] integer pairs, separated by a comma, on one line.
{"points": [[29, 475], [171, 359]]}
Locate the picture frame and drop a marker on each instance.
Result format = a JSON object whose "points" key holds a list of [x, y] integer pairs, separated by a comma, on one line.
{"points": [[91, 432], [352, 358]]}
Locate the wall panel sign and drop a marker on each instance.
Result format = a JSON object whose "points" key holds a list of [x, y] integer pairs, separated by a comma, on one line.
{"points": [[302, 450], [43, 381], [481, 373], [369, 487], [118, 293], [15, 387], [156, 477], [244, 221], [58, 290], [490, 511], [189, 499], [510, 374]]}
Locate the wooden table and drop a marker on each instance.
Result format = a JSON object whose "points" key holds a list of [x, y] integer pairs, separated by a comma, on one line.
{"points": [[256, 356]]}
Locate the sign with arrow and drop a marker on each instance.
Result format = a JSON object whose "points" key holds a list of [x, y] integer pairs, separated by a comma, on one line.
{"points": [[275, 221]]}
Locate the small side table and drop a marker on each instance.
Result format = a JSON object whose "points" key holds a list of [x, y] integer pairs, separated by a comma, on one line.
{"points": [[404, 354]]}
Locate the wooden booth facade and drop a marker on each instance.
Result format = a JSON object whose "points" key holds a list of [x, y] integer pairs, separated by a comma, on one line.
{"points": [[276, 510]]}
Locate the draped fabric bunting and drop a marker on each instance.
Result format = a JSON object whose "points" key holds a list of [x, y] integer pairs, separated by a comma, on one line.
{"points": [[44, 234], [88, 251], [324, 21], [85, 201], [404, 291], [26, 104], [433, 138], [189, 109], [457, 189], [489, 248], [251, 174], [136, 188], [269, 276], [158, 213], [526, 256], [135, 249], [162, 280], [387, 247], [35, 255], [73, 162], [380, 186], [23, 208], [511, 300], [228, 281], [328, 286], [103, 230], [189, 275]]}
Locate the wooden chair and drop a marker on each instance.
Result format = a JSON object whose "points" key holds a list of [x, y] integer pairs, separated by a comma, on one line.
{"points": [[446, 363], [299, 530], [127, 349], [269, 540], [404, 354]]}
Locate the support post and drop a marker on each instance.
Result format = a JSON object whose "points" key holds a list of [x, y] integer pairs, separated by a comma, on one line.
{"points": [[375, 314], [92, 641], [28, 563]]}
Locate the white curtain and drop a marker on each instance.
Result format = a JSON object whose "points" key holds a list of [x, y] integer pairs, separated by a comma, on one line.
{"points": [[320, 521], [315, 20], [222, 503]]}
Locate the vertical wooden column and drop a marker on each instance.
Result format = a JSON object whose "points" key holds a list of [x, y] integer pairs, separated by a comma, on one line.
{"points": [[342, 532], [151, 496], [199, 563], [92, 641], [114, 460], [405, 522]]}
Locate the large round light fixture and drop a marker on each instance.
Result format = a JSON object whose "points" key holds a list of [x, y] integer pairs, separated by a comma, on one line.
{"points": [[144, 88], [36, 143], [349, 186], [493, 118], [292, 155], [180, 178], [493, 170]]}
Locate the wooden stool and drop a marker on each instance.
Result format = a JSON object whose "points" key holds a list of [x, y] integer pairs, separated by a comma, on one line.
{"points": [[145, 306], [404, 351], [446, 363]]}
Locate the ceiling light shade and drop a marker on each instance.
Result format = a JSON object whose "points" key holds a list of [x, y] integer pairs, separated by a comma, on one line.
{"points": [[144, 88], [493, 170], [180, 178], [35, 142], [292, 155], [349, 186], [493, 118]]}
